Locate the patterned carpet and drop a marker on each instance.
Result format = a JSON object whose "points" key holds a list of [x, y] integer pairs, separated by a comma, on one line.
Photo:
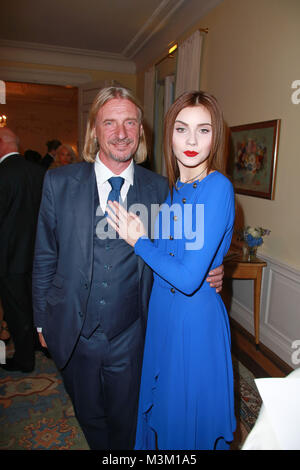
{"points": [[247, 403], [36, 413]]}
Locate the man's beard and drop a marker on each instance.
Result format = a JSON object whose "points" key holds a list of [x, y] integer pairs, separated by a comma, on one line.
{"points": [[124, 158]]}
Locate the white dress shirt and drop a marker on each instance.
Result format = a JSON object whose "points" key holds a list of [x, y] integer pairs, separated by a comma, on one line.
{"points": [[103, 174], [7, 155]]}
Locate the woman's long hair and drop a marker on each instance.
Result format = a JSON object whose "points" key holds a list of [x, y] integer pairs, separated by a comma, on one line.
{"points": [[216, 156], [91, 144]]}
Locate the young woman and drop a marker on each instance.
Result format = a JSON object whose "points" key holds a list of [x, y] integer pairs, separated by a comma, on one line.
{"points": [[186, 394]]}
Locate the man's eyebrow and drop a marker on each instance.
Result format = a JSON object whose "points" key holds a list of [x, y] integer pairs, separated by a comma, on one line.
{"points": [[127, 119]]}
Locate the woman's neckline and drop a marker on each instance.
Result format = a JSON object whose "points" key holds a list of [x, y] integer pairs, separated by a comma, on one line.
{"points": [[196, 181]]}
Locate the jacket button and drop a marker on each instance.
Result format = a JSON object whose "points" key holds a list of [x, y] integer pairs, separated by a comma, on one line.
{"points": [[80, 314], [173, 290]]}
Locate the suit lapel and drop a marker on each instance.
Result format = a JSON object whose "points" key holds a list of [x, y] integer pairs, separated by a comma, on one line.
{"points": [[83, 206], [144, 195]]}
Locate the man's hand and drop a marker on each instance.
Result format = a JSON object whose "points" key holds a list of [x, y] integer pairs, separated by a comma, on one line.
{"points": [[215, 278], [42, 340]]}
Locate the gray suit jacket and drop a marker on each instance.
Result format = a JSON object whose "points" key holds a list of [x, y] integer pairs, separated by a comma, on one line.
{"points": [[63, 261]]}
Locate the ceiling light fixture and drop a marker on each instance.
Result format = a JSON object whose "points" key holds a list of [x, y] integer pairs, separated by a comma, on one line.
{"points": [[173, 48], [3, 119]]}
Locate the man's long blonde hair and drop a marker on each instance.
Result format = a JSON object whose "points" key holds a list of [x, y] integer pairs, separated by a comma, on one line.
{"points": [[91, 144]]}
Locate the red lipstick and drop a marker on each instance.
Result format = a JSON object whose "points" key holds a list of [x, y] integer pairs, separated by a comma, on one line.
{"points": [[189, 153]]}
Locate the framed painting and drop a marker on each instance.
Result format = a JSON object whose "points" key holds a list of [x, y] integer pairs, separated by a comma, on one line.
{"points": [[252, 158]]}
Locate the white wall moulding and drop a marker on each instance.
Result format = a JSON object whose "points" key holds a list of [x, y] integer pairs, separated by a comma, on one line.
{"points": [[48, 77], [280, 311], [157, 21], [64, 56]]}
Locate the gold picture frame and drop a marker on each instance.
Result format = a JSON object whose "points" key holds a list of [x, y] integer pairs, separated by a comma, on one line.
{"points": [[252, 159]]}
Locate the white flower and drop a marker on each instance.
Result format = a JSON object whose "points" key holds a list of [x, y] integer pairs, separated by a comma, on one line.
{"points": [[254, 232]]}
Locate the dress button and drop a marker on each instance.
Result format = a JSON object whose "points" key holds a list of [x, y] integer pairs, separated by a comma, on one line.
{"points": [[171, 254], [171, 238], [173, 290], [195, 185], [175, 217], [184, 200]]}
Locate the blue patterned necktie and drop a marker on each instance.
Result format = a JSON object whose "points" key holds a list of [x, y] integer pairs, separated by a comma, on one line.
{"points": [[116, 183]]}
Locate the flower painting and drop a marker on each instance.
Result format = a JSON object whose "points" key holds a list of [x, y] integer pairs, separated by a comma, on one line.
{"points": [[252, 158]]}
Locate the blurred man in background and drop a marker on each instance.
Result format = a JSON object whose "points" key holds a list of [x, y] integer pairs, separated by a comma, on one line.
{"points": [[20, 193]]}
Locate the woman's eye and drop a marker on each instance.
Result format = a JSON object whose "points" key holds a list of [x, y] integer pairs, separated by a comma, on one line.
{"points": [[204, 130], [180, 129]]}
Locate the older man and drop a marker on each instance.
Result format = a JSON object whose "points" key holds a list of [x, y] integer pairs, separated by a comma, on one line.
{"points": [[90, 290], [20, 194]]}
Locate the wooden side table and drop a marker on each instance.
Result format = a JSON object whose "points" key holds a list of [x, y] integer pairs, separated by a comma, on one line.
{"points": [[239, 268]]}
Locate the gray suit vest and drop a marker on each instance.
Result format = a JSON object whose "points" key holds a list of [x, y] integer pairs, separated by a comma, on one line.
{"points": [[113, 303]]}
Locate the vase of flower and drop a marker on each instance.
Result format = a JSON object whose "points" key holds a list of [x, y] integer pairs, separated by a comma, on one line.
{"points": [[251, 252], [253, 238]]}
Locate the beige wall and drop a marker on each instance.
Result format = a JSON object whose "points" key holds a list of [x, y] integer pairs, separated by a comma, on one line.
{"points": [[250, 59]]}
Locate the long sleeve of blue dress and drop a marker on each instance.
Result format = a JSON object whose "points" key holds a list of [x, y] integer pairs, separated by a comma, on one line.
{"points": [[187, 272]]}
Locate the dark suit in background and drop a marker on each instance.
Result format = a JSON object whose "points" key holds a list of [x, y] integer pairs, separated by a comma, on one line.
{"points": [[20, 194], [46, 161], [49, 158]]}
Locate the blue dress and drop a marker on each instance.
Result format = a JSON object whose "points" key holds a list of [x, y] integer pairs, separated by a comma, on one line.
{"points": [[186, 395]]}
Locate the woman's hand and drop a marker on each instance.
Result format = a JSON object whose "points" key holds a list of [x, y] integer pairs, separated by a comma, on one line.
{"points": [[128, 225]]}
